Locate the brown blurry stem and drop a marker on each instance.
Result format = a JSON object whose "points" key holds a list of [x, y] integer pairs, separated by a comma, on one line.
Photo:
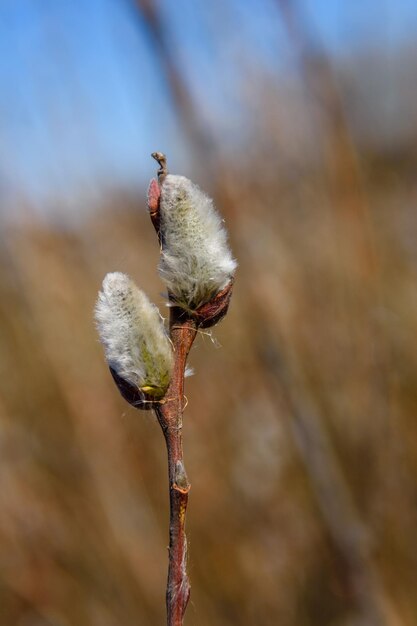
{"points": [[348, 532], [339, 154], [183, 332], [188, 114]]}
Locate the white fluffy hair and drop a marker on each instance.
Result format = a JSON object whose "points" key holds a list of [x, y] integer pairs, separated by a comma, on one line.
{"points": [[133, 335], [196, 262]]}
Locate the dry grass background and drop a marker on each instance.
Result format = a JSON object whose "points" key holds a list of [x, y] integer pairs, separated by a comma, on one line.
{"points": [[300, 432]]}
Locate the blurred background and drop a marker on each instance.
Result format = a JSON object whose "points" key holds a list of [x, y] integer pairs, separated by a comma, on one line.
{"points": [[299, 118]]}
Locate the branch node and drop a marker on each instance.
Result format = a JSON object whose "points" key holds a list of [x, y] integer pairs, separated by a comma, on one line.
{"points": [[183, 490]]}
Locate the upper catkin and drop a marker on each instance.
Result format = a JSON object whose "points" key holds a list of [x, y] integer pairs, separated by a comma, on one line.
{"points": [[133, 335], [196, 262]]}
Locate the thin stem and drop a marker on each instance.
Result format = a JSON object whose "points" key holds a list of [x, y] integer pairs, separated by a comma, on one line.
{"points": [[183, 332]]}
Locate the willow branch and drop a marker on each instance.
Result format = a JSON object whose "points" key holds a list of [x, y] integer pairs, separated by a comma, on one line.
{"points": [[169, 413]]}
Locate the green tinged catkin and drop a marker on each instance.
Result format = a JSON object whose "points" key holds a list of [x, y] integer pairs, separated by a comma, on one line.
{"points": [[131, 330]]}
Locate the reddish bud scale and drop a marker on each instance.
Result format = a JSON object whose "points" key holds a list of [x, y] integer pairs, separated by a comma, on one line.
{"points": [[132, 394], [154, 195], [210, 313], [213, 311]]}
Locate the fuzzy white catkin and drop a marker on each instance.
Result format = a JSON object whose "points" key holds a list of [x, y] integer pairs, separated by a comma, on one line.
{"points": [[196, 262], [132, 333]]}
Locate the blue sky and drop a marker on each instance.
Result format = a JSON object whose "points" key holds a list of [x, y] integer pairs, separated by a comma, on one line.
{"points": [[82, 98]]}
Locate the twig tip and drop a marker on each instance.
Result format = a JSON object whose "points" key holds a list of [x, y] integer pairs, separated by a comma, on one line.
{"points": [[161, 159]]}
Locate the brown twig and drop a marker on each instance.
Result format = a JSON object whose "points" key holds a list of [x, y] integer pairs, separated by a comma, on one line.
{"points": [[183, 331]]}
